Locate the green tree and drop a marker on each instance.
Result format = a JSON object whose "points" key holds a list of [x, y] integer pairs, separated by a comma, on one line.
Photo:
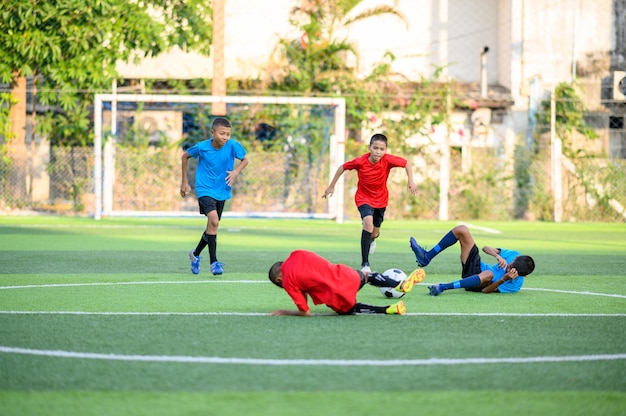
{"points": [[71, 47], [316, 62], [569, 112]]}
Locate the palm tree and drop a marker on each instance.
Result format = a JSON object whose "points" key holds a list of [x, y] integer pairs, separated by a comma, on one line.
{"points": [[316, 61]]}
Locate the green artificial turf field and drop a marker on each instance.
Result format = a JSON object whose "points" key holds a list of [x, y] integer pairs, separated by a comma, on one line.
{"points": [[105, 318]]}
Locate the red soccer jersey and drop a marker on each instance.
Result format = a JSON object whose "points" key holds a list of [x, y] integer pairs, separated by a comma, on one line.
{"points": [[334, 285], [372, 187]]}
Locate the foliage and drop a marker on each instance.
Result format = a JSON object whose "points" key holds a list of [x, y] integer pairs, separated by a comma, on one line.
{"points": [[427, 107], [569, 110], [523, 193], [70, 170], [6, 102], [71, 48], [317, 63]]}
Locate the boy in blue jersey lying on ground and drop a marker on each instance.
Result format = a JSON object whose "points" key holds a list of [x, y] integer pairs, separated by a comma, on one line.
{"points": [[506, 276]]}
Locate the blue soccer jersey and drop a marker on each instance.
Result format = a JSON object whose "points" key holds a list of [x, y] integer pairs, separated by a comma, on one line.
{"points": [[213, 165], [511, 286]]}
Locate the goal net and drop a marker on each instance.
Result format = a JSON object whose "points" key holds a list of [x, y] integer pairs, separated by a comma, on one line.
{"points": [[294, 146]]}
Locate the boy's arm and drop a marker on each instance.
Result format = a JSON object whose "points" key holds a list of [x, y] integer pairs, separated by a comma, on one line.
{"points": [[495, 252], [300, 299], [409, 174], [331, 188], [510, 275], [231, 175], [184, 186], [290, 313]]}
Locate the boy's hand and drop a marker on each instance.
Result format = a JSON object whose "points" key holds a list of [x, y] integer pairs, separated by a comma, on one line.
{"points": [[185, 189], [329, 191], [511, 274], [230, 177]]}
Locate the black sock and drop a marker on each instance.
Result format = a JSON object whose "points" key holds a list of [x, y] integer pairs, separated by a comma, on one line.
{"points": [[211, 241], [366, 241], [380, 280], [201, 245], [365, 308]]}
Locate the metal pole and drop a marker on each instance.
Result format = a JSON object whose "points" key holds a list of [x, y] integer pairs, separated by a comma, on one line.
{"points": [[574, 45], [556, 148], [97, 165], [218, 84], [483, 71]]}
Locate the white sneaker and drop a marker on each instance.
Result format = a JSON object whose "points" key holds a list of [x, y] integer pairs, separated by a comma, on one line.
{"points": [[373, 247], [366, 268]]}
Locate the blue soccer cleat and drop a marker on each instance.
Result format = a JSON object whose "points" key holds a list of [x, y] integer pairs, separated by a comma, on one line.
{"points": [[217, 268], [195, 263], [420, 253], [435, 290]]}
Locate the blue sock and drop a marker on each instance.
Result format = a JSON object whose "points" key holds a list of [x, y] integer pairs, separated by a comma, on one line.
{"points": [[447, 240], [467, 282]]}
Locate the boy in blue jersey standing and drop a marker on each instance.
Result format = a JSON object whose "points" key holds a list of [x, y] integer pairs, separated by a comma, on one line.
{"points": [[506, 276], [214, 179]]}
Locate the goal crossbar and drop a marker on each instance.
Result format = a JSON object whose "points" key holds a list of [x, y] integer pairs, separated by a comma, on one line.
{"points": [[103, 180]]}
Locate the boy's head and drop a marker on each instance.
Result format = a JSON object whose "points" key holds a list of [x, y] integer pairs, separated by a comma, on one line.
{"points": [[378, 138], [378, 147], [220, 122], [275, 274], [524, 265], [220, 131]]}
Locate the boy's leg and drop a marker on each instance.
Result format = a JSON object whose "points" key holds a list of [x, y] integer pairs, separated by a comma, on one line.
{"points": [[205, 204], [366, 241], [380, 280], [213, 222], [378, 218], [459, 233], [423, 257], [211, 234], [375, 235], [395, 309], [473, 283], [462, 233], [471, 276], [201, 245], [367, 218]]}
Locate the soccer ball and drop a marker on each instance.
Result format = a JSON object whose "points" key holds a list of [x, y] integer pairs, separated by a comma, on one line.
{"points": [[397, 275]]}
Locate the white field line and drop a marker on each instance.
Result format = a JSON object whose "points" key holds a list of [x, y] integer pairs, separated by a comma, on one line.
{"points": [[173, 282], [179, 282], [572, 292], [485, 314], [478, 227], [307, 362]]}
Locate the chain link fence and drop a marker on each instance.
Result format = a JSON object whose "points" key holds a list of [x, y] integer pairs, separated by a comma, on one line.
{"points": [[594, 189], [491, 182]]}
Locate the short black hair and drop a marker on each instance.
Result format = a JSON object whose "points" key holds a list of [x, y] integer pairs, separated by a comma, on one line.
{"points": [[524, 265], [378, 138], [274, 272], [221, 122]]}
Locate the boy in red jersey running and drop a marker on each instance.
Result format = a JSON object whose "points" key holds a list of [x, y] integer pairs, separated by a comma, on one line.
{"points": [[372, 194], [305, 274]]}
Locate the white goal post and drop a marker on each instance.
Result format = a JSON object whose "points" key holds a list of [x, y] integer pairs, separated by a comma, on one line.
{"points": [[104, 174]]}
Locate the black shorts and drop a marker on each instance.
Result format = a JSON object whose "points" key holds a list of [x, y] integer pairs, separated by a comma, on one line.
{"points": [[472, 264], [377, 213], [208, 204], [472, 267]]}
